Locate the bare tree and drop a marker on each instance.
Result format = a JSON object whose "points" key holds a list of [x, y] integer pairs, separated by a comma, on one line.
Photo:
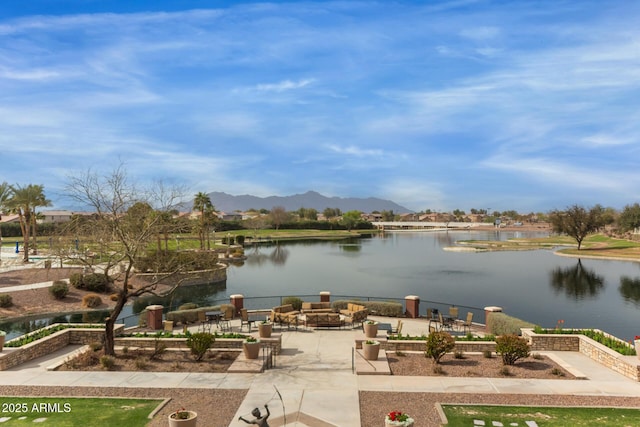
{"points": [[123, 226], [279, 216], [576, 221]]}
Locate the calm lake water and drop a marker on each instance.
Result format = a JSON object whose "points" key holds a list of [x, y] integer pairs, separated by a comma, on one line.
{"points": [[536, 286]]}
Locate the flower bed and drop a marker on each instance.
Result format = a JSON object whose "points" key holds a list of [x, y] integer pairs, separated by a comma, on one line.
{"points": [[48, 342], [625, 365]]}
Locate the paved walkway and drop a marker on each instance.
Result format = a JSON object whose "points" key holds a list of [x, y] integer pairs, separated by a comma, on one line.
{"points": [[314, 375]]}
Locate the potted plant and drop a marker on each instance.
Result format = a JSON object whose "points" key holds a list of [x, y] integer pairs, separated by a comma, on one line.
{"points": [[251, 348], [2, 337], [371, 349], [265, 328], [398, 419], [370, 329], [183, 418]]}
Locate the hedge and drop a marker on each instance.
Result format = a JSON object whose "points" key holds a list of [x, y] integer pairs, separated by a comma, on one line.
{"points": [[380, 308], [191, 315]]}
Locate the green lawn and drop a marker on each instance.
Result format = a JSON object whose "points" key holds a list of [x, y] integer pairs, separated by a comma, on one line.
{"points": [[464, 415], [67, 411]]}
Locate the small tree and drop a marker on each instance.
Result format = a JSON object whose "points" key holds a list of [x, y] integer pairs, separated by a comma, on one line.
{"points": [[439, 344], [576, 221], [512, 347]]}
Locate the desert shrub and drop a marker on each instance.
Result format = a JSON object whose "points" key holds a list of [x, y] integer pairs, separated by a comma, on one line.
{"points": [[107, 362], [502, 324], [511, 348], [488, 354], [95, 282], [557, 372], [141, 363], [91, 300], [6, 300], [505, 371], [188, 306], [294, 301], [142, 318], [95, 346], [76, 280], [199, 343], [191, 315], [59, 289], [113, 297], [458, 355], [159, 348], [438, 344], [171, 261]]}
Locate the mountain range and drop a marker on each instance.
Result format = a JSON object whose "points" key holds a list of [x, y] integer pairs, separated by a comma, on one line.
{"points": [[228, 203]]}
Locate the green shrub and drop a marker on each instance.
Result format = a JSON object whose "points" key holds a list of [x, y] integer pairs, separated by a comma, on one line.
{"points": [[502, 324], [95, 282], [6, 300], [511, 348], [76, 280], [438, 344], [294, 301], [107, 362], [59, 289], [381, 308], [91, 300], [199, 343]]}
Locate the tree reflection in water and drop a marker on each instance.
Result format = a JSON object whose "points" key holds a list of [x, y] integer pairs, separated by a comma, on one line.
{"points": [[630, 289], [577, 282]]}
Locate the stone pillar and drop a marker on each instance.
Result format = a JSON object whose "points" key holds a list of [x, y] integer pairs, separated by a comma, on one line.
{"points": [[154, 317], [325, 296], [237, 300], [412, 302], [487, 314]]}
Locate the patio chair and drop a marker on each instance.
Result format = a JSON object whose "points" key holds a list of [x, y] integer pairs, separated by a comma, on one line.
{"points": [[204, 323], [244, 319], [445, 322], [397, 330], [225, 321], [466, 324], [453, 312]]}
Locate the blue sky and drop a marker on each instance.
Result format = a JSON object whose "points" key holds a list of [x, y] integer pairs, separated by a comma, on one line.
{"points": [[525, 105]]}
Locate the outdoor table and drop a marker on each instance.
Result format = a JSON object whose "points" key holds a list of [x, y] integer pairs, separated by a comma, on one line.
{"points": [[213, 316], [254, 318]]}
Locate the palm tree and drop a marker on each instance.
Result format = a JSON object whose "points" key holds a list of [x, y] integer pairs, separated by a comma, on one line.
{"points": [[24, 201], [202, 203], [5, 195]]}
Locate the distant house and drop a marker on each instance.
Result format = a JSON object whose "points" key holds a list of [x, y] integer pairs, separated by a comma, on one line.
{"points": [[56, 216], [9, 218], [409, 217], [234, 216]]}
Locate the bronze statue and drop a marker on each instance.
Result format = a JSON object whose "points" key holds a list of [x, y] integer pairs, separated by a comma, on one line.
{"points": [[259, 419]]}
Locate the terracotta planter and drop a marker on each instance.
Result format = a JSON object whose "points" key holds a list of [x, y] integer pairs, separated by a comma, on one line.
{"points": [[187, 422], [265, 329], [371, 350], [251, 349], [370, 329]]}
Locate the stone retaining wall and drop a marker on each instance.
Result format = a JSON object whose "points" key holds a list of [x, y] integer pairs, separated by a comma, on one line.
{"points": [[13, 356], [181, 343], [629, 366]]}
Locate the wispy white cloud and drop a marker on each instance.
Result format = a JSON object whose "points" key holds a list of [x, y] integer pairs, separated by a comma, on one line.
{"points": [[284, 85]]}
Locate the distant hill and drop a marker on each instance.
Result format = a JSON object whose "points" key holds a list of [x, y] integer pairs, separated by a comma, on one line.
{"points": [[311, 199]]}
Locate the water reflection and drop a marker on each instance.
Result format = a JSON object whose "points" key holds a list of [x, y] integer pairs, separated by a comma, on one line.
{"points": [[576, 282], [26, 325], [279, 254], [204, 294], [630, 289], [259, 255]]}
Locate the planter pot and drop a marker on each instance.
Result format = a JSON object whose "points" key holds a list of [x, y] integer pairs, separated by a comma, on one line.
{"points": [[188, 422], [251, 349], [265, 329], [371, 350], [408, 423], [636, 343], [370, 330]]}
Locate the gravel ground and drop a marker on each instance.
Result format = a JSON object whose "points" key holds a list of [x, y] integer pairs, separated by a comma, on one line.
{"points": [[476, 365], [215, 407]]}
